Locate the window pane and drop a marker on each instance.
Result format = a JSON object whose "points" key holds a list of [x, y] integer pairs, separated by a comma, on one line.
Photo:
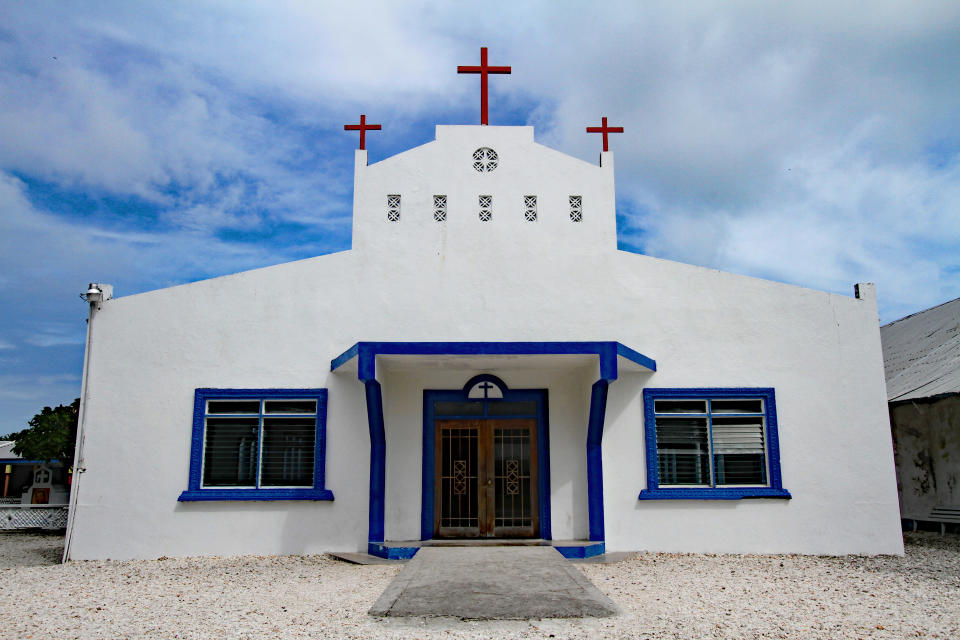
{"points": [[680, 406], [738, 446], [230, 452], [290, 406], [736, 406], [506, 408], [458, 408], [738, 435], [233, 406], [682, 451], [288, 448], [740, 469]]}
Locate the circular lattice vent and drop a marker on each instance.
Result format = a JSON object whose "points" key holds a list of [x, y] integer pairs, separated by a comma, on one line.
{"points": [[485, 159]]}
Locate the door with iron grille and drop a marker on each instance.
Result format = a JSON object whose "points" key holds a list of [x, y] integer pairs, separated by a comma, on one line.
{"points": [[486, 480]]}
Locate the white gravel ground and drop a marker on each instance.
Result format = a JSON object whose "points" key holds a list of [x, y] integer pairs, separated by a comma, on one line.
{"points": [[661, 596]]}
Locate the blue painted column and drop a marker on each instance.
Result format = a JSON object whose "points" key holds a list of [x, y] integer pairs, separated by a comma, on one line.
{"points": [[598, 409], [378, 450]]}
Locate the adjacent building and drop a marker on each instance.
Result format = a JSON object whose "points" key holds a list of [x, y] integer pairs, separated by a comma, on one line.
{"points": [[922, 359]]}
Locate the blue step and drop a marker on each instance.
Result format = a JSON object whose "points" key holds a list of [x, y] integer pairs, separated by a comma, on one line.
{"points": [[404, 550]]}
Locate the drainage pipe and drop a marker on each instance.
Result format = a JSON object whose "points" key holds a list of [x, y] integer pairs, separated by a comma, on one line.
{"points": [[94, 297]]}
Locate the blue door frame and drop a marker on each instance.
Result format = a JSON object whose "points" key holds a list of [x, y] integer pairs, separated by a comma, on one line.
{"points": [[538, 396], [608, 354]]}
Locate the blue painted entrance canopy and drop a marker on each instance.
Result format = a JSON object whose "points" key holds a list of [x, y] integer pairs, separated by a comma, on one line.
{"points": [[611, 355]]}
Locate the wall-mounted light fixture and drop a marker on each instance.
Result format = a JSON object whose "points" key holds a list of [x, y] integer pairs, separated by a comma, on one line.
{"points": [[93, 294]]}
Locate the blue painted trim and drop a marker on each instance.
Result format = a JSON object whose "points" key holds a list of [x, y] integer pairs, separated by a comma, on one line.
{"points": [[636, 357], [428, 463], [204, 495], [581, 551], [196, 439], [378, 460], [19, 461], [719, 493], [539, 396], [543, 461], [344, 357], [607, 352], [655, 492], [380, 550], [576, 551], [608, 361], [195, 491], [598, 409], [366, 352]]}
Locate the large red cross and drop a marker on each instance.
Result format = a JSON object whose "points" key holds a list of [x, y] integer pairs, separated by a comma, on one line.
{"points": [[363, 127], [483, 70], [604, 129]]}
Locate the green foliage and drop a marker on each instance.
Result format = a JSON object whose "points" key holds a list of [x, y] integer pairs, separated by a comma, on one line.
{"points": [[52, 434]]}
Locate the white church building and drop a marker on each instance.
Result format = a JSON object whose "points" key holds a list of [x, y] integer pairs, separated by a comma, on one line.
{"points": [[483, 363]]}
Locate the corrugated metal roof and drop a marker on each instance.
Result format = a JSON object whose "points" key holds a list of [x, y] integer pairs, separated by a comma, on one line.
{"points": [[5, 450], [921, 353]]}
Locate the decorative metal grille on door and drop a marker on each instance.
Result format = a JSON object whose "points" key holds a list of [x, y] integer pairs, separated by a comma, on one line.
{"points": [[459, 508], [511, 453], [486, 478]]}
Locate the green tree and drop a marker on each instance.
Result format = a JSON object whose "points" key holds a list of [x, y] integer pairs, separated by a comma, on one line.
{"points": [[52, 435]]}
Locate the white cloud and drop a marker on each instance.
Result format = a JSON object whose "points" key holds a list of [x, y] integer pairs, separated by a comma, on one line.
{"points": [[814, 146], [54, 334], [813, 143], [121, 108], [836, 219], [34, 388], [56, 256], [23, 396]]}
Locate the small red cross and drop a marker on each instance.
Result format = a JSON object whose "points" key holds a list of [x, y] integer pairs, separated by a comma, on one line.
{"points": [[483, 70], [363, 127], [605, 130]]}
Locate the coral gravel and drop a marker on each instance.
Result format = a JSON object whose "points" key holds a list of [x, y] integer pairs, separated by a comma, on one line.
{"points": [[661, 595]]}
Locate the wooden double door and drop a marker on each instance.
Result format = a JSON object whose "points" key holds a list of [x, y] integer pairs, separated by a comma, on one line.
{"points": [[486, 478]]}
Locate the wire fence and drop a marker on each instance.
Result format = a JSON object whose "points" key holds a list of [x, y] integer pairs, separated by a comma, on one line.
{"points": [[32, 516]]}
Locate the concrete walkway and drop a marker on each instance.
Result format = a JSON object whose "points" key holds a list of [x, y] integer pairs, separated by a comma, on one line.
{"points": [[499, 583]]}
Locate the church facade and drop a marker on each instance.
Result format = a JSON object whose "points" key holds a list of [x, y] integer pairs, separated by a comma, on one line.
{"points": [[483, 363]]}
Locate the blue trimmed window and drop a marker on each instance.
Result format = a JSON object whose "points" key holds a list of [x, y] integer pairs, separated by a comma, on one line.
{"points": [[258, 444], [711, 444]]}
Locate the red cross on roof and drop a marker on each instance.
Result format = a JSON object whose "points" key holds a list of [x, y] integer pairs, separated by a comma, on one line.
{"points": [[483, 70], [604, 129], [363, 127]]}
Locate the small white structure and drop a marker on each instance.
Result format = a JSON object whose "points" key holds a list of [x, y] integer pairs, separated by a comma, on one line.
{"points": [[43, 490], [483, 362], [17, 473], [32, 497]]}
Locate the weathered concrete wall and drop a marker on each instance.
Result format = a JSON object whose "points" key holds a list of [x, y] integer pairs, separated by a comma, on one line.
{"points": [[926, 436]]}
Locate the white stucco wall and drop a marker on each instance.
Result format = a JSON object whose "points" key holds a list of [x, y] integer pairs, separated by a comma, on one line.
{"points": [[445, 167], [466, 280], [568, 408]]}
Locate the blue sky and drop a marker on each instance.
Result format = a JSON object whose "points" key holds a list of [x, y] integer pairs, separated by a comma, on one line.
{"points": [[151, 144]]}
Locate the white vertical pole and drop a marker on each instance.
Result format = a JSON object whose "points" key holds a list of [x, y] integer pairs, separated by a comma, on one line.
{"points": [[78, 461]]}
